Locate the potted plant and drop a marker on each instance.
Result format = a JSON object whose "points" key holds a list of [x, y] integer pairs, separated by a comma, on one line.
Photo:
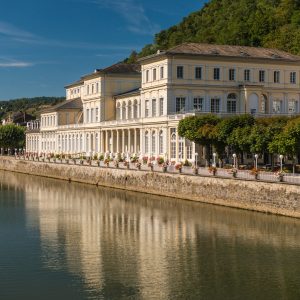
{"points": [[280, 175], [164, 167], [106, 162], [178, 166], [255, 172], [212, 170], [233, 171]]}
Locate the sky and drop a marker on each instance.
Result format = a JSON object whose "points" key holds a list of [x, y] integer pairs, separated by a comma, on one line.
{"points": [[46, 44]]}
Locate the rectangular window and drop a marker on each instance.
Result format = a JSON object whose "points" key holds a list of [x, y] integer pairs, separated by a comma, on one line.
{"points": [[276, 106], [180, 104], [162, 72], [276, 76], [231, 106], [292, 106], [198, 73], [97, 114], [88, 115], [215, 105], [92, 115], [97, 87], [293, 77], [147, 76], [154, 74], [198, 104], [161, 106], [262, 76], [180, 72], [147, 108], [153, 107], [232, 74], [216, 73], [88, 89], [246, 75]]}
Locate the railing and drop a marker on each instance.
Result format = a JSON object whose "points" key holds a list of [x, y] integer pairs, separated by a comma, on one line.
{"points": [[173, 169]]}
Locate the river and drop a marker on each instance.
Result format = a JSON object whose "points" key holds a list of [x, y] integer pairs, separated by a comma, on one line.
{"points": [[61, 240]]}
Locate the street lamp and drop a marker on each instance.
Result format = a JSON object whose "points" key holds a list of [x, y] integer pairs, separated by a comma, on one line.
{"points": [[214, 159], [281, 158], [196, 159], [234, 160], [256, 158]]}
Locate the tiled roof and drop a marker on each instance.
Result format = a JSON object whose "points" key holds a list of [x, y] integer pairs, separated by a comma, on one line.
{"points": [[68, 104], [128, 93], [229, 51], [121, 68]]}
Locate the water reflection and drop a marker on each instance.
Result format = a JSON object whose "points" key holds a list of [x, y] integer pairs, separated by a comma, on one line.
{"points": [[122, 244]]}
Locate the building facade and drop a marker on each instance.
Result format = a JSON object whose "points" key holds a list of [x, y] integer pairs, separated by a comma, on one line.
{"points": [[136, 108]]}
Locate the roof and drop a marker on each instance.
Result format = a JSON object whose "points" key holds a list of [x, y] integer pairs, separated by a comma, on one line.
{"points": [[76, 83], [228, 51], [129, 93], [68, 104], [118, 68]]}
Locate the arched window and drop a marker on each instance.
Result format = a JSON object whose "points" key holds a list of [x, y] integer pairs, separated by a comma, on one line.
{"points": [[263, 103], [135, 109], [231, 103], [97, 141], [123, 111], [118, 111], [173, 144], [153, 142], [129, 109], [87, 143], [189, 149], [180, 147], [146, 142], [161, 142]]}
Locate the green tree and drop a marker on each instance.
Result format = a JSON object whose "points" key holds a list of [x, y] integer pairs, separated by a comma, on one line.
{"points": [[12, 136]]}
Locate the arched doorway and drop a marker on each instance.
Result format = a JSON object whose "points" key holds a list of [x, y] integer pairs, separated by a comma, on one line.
{"points": [[253, 104]]}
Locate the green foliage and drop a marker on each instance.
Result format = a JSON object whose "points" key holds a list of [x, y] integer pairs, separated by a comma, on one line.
{"points": [[12, 136], [259, 23], [29, 105], [280, 135]]}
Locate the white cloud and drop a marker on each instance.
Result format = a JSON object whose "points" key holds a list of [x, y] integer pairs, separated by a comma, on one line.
{"points": [[10, 30], [133, 13], [16, 64]]}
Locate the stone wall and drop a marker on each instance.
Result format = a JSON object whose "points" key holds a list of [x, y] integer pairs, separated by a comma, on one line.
{"points": [[277, 198]]}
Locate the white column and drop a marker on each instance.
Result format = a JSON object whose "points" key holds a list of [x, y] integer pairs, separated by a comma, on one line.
{"points": [[135, 141], [118, 136]]}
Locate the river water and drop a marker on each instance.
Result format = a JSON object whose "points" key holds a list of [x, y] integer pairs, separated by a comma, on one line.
{"points": [[61, 240]]}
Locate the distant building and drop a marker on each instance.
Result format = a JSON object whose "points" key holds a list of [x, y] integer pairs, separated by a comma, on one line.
{"points": [[18, 118], [137, 108]]}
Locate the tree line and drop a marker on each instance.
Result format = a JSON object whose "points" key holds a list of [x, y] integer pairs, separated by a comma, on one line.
{"points": [[12, 136], [244, 134], [259, 23]]}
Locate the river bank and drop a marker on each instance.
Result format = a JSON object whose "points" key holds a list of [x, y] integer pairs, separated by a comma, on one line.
{"points": [[275, 198]]}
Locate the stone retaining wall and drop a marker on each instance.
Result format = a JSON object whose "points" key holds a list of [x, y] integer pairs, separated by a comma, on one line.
{"points": [[274, 198]]}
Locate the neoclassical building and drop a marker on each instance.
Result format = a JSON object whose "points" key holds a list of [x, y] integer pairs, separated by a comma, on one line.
{"points": [[136, 108]]}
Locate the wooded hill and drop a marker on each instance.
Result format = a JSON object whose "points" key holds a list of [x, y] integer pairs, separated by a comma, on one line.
{"points": [[31, 106], [259, 23]]}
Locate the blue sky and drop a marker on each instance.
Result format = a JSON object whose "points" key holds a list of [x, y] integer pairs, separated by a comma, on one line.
{"points": [[46, 44]]}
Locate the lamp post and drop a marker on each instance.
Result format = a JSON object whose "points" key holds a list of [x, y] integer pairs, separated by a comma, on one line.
{"points": [[214, 159], [256, 158], [234, 160], [196, 160], [281, 158]]}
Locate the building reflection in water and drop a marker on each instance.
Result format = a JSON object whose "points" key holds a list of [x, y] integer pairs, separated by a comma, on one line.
{"points": [[154, 247]]}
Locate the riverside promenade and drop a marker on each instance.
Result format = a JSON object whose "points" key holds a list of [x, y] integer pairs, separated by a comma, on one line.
{"points": [[221, 187]]}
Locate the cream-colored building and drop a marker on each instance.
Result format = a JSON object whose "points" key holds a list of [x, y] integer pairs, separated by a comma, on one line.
{"points": [[137, 108]]}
